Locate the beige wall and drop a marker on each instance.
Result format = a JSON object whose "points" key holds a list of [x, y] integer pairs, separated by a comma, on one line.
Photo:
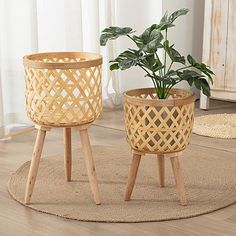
{"points": [[188, 33], [143, 14]]}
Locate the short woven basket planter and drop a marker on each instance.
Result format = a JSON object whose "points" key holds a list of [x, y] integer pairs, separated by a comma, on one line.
{"points": [[158, 126], [63, 89]]}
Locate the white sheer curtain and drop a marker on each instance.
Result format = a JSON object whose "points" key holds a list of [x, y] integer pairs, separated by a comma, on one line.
{"points": [[29, 26]]}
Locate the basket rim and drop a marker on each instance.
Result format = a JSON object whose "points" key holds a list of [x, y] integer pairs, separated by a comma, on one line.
{"points": [[129, 98], [95, 59]]}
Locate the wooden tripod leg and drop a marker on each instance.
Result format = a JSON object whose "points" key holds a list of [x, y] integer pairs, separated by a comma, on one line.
{"points": [[67, 153], [161, 169], [34, 165], [132, 176], [90, 165], [178, 179]]}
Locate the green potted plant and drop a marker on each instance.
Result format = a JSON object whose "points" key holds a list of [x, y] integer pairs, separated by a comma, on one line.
{"points": [[159, 119]]}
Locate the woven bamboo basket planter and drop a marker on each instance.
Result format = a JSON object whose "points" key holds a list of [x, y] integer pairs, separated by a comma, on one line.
{"points": [[158, 126], [63, 89]]}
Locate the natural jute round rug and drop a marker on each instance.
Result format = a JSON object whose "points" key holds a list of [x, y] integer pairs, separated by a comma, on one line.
{"points": [[210, 183], [216, 126]]}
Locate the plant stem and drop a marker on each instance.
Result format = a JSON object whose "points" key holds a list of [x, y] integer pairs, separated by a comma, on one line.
{"points": [[170, 66], [154, 74], [170, 86], [183, 68], [160, 71], [165, 53], [150, 76], [131, 38], [155, 85], [145, 70]]}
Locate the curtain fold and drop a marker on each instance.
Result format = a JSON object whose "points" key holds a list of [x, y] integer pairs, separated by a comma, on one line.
{"points": [[15, 41], [2, 128], [111, 90], [30, 26]]}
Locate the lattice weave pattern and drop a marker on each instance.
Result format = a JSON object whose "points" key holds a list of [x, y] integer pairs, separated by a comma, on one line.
{"points": [[63, 97], [158, 128]]}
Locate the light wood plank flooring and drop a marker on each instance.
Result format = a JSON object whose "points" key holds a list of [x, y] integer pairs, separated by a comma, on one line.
{"points": [[16, 219]]}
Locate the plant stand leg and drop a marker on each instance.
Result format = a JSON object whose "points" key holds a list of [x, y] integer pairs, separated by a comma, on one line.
{"points": [[178, 179], [90, 165], [132, 175], [161, 169], [34, 164], [67, 153]]}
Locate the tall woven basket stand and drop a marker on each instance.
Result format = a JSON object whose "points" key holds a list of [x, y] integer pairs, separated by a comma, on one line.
{"points": [[63, 89]]}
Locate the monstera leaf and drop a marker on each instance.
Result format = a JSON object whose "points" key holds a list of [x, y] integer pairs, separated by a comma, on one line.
{"points": [[167, 22], [112, 33], [173, 53], [192, 77], [178, 13], [150, 40], [151, 62], [126, 60], [201, 66], [164, 23]]}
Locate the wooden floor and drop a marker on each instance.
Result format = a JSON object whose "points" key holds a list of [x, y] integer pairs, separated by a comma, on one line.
{"points": [[16, 219]]}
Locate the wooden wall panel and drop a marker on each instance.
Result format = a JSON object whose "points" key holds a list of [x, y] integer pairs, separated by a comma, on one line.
{"points": [[218, 36], [230, 68], [219, 48]]}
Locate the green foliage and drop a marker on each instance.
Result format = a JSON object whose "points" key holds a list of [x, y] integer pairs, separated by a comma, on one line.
{"points": [[126, 59], [173, 53], [112, 33], [146, 56]]}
